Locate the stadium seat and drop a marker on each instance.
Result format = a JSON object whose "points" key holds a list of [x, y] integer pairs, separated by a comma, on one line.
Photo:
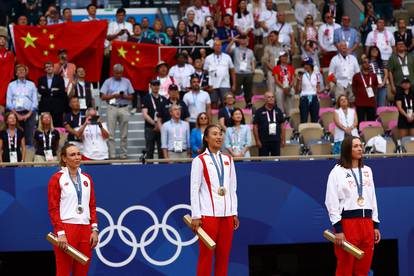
{"points": [[240, 102], [409, 6], [288, 131], [248, 117], [310, 131], [295, 118], [387, 114], [370, 129], [325, 100], [258, 101], [326, 116], [319, 147], [214, 116], [407, 143], [394, 129], [283, 5], [296, 101], [291, 148], [258, 76]]}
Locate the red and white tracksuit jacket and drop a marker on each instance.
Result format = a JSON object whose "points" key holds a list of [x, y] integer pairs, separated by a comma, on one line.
{"points": [[205, 200], [63, 201]]}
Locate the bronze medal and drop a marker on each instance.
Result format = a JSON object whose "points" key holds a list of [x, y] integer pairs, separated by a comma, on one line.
{"points": [[222, 191], [361, 201]]}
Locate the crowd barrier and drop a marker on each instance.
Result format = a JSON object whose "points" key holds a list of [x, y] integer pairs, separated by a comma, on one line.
{"points": [[141, 208]]}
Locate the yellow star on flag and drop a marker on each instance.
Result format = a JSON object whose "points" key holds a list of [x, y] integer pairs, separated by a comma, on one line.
{"points": [[52, 46], [122, 52], [137, 52], [51, 36], [45, 53], [29, 41], [133, 46], [137, 59], [133, 63], [44, 31]]}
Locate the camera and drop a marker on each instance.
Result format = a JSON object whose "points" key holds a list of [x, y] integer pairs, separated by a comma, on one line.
{"points": [[94, 120]]}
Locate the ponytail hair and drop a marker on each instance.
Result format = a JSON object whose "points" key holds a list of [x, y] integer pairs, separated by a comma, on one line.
{"points": [[206, 133], [63, 153]]}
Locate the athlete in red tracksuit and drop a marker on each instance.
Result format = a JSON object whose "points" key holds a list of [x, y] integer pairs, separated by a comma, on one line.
{"points": [[352, 208], [214, 202], [72, 210]]}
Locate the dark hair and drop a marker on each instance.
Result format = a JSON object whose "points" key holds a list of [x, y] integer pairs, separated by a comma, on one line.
{"points": [[206, 133], [378, 59], [90, 5], [66, 9], [243, 121], [178, 24], [120, 10], [239, 14], [194, 76], [274, 32], [345, 159], [63, 153], [198, 118], [48, 63], [5, 127]]}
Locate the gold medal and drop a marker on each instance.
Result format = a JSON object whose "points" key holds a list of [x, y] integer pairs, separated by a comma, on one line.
{"points": [[222, 191], [361, 201]]}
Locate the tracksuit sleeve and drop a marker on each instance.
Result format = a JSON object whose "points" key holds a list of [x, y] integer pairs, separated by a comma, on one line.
{"points": [[196, 180], [233, 187], [54, 204], [92, 205], [332, 202]]}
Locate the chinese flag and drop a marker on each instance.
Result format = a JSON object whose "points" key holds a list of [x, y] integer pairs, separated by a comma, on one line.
{"points": [[84, 42], [6, 74], [139, 61]]}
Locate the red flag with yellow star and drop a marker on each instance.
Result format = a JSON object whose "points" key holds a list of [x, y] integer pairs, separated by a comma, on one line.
{"points": [[139, 61], [84, 42]]}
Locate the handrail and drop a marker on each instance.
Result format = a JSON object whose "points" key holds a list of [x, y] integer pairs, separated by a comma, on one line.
{"points": [[187, 160]]}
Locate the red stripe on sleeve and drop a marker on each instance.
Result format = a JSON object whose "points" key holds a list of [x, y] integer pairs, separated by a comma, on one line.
{"points": [[207, 178]]}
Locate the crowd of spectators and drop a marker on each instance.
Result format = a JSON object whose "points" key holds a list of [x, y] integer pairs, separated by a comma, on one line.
{"points": [[221, 47]]}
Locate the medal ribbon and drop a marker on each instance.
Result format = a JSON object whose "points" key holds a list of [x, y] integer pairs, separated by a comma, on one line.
{"points": [[219, 174], [78, 187], [359, 185]]}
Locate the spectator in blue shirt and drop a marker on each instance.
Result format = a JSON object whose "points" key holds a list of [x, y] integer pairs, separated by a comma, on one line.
{"points": [[227, 32], [22, 101], [196, 138], [238, 136], [157, 35], [348, 34]]}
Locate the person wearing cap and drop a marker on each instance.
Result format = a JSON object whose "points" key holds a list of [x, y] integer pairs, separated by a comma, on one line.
{"points": [[342, 69], [64, 68], [244, 64], [308, 86], [152, 110], [53, 99], [365, 89], [91, 10], [326, 39], [181, 72], [117, 92], [197, 100], [175, 135], [220, 68], [400, 66], [283, 75], [6, 67], [162, 69], [404, 100], [119, 30], [174, 98]]}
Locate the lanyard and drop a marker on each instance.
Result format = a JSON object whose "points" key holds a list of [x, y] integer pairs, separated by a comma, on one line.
{"points": [[12, 148], [406, 102], [229, 33], [378, 71], [78, 186], [154, 105], [228, 111], [217, 58], [220, 172], [343, 36], [201, 77], [405, 60], [268, 117], [81, 90], [243, 54], [45, 145], [281, 27], [363, 80], [376, 37], [195, 95], [359, 185]]}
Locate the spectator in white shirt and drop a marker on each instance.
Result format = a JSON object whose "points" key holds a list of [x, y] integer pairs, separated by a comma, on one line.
{"points": [[256, 8], [91, 9], [175, 136], [220, 67], [381, 38], [326, 39], [342, 68], [200, 12], [94, 135], [285, 30], [243, 19], [302, 9], [267, 19], [181, 72], [197, 100], [119, 30]]}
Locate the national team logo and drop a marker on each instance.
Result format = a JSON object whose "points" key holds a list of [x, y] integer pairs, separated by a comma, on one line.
{"points": [[226, 163], [85, 183], [66, 184]]}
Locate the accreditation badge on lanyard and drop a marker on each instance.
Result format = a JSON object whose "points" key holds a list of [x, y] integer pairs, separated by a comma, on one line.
{"points": [[378, 73], [48, 150], [155, 108], [370, 91], [178, 139], [243, 62], [404, 67], [272, 124], [12, 147], [409, 107], [82, 98]]}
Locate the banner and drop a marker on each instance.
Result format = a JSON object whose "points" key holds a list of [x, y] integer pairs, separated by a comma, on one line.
{"points": [[84, 42], [140, 209]]}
